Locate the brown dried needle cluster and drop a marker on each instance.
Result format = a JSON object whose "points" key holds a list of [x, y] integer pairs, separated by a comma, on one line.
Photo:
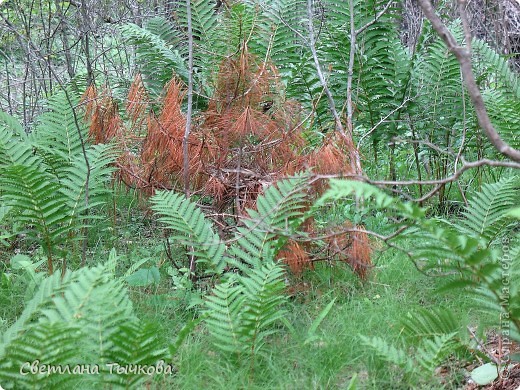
{"points": [[247, 138]]}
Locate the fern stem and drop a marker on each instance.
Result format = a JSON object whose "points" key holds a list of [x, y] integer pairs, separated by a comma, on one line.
{"points": [[49, 257]]}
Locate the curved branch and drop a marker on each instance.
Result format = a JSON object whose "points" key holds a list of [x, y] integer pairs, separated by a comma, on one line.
{"points": [[463, 55]]}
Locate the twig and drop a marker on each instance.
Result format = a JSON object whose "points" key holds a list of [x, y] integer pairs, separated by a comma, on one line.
{"points": [[483, 347], [382, 120], [466, 166]]}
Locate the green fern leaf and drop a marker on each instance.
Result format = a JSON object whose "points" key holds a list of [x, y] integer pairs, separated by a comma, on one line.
{"points": [[136, 343], [15, 146], [47, 288], [434, 351], [497, 67], [190, 227], [504, 113], [159, 58], [56, 137], [37, 197], [389, 353], [204, 20], [485, 215], [224, 315], [53, 344], [439, 88], [84, 317], [340, 189], [100, 158], [239, 314], [427, 323], [263, 290], [280, 210]]}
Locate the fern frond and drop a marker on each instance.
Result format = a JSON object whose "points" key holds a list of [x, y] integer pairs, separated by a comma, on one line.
{"points": [[204, 20], [15, 146], [384, 67], [434, 351], [224, 316], [52, 344], [504, 112], [56, 137], [340, 189], [427, 323], [497, 67], [84, 317], [263, 290], [439, 87], [164, 30], [277, 24], [502, 95], [100, 158], [36, 196], [47, 288], [158, 57], [97, 303], [240, 312], [485, 215], [389, 353], [431, 353], [136, 343], [280, 210], [190, 227]]}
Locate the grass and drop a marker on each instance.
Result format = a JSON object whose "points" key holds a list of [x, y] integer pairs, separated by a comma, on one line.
{"points": [[291, 360], [329, 361]]}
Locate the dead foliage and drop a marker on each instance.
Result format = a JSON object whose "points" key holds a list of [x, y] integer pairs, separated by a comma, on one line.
{"points": [[295, 257], [248, 138]]}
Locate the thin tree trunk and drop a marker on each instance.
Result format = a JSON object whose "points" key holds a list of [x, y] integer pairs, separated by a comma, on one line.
{"points": [[85, 37], [185, 140]]}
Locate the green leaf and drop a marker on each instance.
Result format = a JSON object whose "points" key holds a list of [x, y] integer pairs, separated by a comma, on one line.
{"points": [[21, 262], [486, 211], [144, 277], [280, 211], [456, 284], [311, 333], [485, 374], [352, 385]]}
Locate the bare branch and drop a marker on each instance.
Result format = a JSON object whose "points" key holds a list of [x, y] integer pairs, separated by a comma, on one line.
{"points": [[355, 160], [463, 55], [455, 176], [377, 17]]}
